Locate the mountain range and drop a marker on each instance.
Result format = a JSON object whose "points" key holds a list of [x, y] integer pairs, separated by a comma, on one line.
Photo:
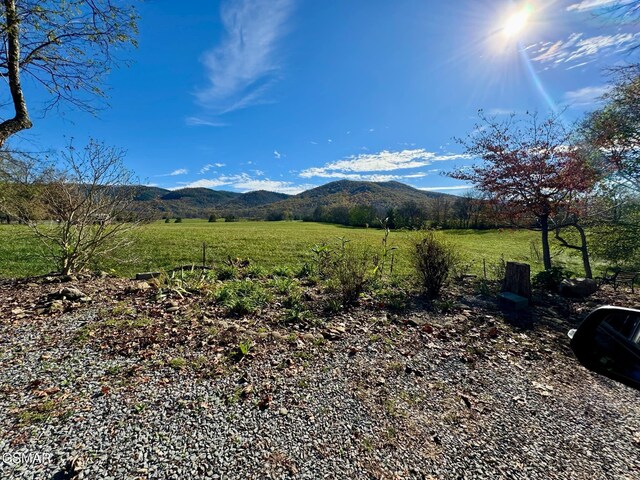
{"points": [[261, 204]]}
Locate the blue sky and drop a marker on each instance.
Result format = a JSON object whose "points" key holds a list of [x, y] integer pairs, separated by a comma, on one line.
{"points": [[285, 95]]}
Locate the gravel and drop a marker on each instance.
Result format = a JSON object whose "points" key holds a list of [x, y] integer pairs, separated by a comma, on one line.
{"points": [[474, 398]]}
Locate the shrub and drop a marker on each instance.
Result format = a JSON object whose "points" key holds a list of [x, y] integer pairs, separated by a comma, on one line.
{"points": [[550, 279], [230, 218], [167, 220], [348, 270], [178, 220], [213, 218], [433, 260]]}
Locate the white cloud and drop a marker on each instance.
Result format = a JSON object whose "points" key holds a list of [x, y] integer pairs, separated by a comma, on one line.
{"points": [[179, 171], [590, 5], [453, 187], [272, 186], [384, 161], [246, 183], [498, 112], [585, 96], [209, 166], [277, 154], [242, 67], [201, 122], [370, 177], [576, 49]]}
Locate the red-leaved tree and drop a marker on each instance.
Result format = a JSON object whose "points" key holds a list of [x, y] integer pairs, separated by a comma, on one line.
{"points": [[530, 169]]}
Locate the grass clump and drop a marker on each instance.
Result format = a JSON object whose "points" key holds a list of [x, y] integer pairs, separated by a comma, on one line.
{"points": [[39, 413], [242, 297], [177, 363]]}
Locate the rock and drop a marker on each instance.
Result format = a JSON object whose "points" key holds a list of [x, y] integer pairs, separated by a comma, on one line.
{"points": [[417, 322], [55, 306], [577, 287], [147, 275], [69, 293], [137, 287]]}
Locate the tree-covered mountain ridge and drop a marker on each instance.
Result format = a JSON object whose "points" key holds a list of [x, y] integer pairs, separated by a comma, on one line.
{"points": [[261, 204]]}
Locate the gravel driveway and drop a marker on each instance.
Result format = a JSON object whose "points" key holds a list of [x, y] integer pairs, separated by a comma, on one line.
{"points": [[456, 396]]}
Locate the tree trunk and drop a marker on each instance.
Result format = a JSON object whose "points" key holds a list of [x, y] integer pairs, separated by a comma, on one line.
{"points": [[21, 120], [546, 252], [517, 279], [584, 250]]}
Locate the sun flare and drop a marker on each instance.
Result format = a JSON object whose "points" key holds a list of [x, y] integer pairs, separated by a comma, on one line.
{"points": [[517, 22]]}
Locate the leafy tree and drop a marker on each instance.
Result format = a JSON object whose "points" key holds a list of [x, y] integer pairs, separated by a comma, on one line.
{"points": [[64, 46], [613, 132], [410, 215], [616, 237], [530, 168], [362, 216]]}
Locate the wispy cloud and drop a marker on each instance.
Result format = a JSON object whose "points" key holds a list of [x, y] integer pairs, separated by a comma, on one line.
{"points": [[277, 154], [384, 161], [590, 5], [371, 177], [576, 49], [499, 112], [242, 67], [175, 173], [453, 187], [209, 166], [584, 97], [201, 122], [246, 183]]}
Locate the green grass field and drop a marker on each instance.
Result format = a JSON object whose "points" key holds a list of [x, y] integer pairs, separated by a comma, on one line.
{"points": [[161, 246]]}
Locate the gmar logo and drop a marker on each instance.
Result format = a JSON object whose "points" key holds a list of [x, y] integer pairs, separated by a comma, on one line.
{"points": [[27, 458]]}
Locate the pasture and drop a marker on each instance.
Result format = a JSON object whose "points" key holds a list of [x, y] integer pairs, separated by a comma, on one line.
{"points": [[162, 246]]}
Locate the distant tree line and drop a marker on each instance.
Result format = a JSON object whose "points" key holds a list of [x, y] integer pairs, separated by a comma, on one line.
{"points": [[465, 212]]}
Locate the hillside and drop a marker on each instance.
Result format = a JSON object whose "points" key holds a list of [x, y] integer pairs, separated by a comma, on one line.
{"points": [[380, 196], [261, 204]]}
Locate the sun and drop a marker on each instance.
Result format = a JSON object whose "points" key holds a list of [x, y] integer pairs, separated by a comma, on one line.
{"points": [[517, 22]]}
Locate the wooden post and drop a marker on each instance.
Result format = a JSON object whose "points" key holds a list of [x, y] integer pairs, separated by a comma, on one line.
{"points": [[517, 279]]}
